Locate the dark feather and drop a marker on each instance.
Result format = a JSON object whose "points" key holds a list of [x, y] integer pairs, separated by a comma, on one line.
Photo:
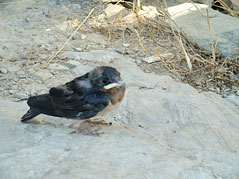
{"points": [[81, 98], [31, 113]]}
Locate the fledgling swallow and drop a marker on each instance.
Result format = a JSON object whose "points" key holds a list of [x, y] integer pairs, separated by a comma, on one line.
{"points": [[93, 94]]}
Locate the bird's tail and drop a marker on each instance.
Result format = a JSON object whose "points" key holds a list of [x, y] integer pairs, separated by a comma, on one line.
{"points": [[31, 113]]}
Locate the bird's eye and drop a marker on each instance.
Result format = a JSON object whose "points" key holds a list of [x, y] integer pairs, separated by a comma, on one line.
{"points": [[104, 81]]}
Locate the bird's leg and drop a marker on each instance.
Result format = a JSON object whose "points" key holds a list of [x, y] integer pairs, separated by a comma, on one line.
{"points": [[98, 121], [90, 126], [101, 122], [86, 128], [36, 121]]}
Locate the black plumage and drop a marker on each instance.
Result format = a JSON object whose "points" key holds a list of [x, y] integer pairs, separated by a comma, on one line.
{"points": [[92, 94]]}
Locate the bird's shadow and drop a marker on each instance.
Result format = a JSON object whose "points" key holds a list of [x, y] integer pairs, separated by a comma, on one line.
{"points": [[86, 127]]}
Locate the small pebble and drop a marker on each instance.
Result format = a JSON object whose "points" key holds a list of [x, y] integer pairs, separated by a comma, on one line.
{"points": [[142, 54], [33, 92], [21, 76], [211, 89], [25, 81], [126, 45], [11, 91], [73, 38], [13, 59], [151, 59], [77, 6], [83, 36], [119, 51], [135, 49], [138, 62], [3, 70], [164, 87], [14, 87], [224, 95], [141, 126], [235, 87], [237, 93], [67, 149], [78, 49], [21, 96], [218, 90], [38, 139]]}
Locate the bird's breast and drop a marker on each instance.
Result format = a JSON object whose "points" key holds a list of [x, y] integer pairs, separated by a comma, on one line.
{"points": [[116, 96]]}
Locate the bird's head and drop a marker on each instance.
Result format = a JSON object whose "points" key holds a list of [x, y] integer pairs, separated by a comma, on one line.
{"points": [[106, 78]]}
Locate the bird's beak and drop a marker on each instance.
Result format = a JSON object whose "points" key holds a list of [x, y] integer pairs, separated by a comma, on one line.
{"points": [[114, 85]]}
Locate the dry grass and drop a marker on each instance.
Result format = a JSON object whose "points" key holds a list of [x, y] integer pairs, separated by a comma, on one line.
{"points": [[202, 69], [156, 37], [225, 7]]}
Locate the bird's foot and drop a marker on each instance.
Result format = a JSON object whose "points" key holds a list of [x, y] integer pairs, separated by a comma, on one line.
{"points": [[89, 127], [36, 121], [99, 122]]}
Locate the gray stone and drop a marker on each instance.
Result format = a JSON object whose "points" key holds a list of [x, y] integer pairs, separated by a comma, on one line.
{"points": [[235, 4], [225, 29], [71, 55], [237, 93], [81, 69], [13, 68], [11, 91], [78, 49], [83, 36], [73, 62], [44, 75], [3, 70], [33, 92], [126, 45], [151, 59], [57, 67], [21, 95], [77, 6], [20, 72], [138, 62]]}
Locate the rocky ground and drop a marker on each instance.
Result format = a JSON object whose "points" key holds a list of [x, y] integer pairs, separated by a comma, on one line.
{"points": [[163, 129]]}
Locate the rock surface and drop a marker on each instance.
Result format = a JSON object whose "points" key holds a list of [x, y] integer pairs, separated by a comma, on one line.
{"points": [[235, 4], [224, 28], [163, 129]]}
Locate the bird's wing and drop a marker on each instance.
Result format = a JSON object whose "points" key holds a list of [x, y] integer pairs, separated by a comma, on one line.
{"points": [[69, 95], [84, 105], [92, 104]]}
